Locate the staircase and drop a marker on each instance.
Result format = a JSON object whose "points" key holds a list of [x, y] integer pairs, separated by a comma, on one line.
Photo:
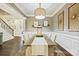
{"points": [[6, 27], [7, 31]]}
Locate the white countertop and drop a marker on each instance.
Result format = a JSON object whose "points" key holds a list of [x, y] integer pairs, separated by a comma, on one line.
{"points": [[39, 41]]}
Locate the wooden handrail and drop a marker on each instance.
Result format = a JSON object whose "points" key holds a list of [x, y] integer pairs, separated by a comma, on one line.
{"points": [[7, 26]]}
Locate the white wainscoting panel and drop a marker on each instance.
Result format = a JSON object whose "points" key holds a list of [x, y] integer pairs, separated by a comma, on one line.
{"points": [[68, 42]]}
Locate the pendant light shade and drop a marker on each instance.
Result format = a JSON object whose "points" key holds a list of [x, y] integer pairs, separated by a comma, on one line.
{"points": [[40, 12]]}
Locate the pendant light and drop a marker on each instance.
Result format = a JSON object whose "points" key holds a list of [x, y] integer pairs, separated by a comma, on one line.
{"points": [[40, 12]]}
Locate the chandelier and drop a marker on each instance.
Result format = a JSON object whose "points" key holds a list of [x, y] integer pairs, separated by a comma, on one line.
{"points": [[40, 12]]}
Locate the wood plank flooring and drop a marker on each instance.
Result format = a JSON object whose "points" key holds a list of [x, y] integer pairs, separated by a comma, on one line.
{"points": [[12, 48]]}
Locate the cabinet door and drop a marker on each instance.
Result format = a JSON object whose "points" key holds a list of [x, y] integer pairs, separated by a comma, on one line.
{"points": [[1, 37]]}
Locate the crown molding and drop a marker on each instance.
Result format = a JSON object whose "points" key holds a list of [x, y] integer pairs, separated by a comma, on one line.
{"points": [[52, 13], [58, 9], [14, 12], [26, 15]]}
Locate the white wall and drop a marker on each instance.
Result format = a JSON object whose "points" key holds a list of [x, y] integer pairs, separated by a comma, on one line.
{"points": [[31, 31], [6, 35], [68, 40], [19, 27], [30, 22]]}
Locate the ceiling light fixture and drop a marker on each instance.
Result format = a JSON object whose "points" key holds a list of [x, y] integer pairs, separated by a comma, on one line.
{"points": [[40, 12]]}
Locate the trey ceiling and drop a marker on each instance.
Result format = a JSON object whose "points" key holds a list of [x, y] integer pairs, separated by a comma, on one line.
{"points": [[28, 8]]}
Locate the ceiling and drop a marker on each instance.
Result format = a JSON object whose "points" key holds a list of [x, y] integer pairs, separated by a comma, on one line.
{"points": [[28, 8]]}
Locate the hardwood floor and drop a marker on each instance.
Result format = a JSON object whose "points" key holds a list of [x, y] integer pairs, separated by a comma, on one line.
{"points": [[10, 47], [26, 51], [14, 48]]}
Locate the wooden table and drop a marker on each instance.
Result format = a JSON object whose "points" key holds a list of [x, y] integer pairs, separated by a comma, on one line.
{"points": [[39, 46]]}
